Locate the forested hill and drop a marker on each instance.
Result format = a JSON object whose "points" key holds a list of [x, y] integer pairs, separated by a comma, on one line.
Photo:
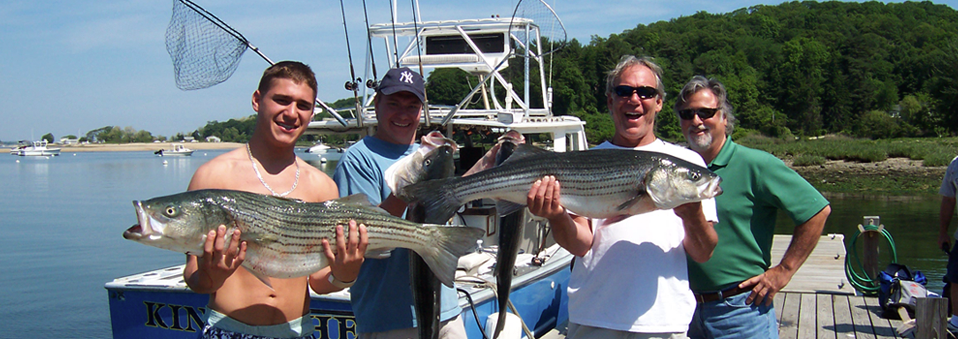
{"points": [[803, 68]]}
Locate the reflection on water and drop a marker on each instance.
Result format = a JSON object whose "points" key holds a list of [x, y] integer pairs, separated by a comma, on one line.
{"points": [[912, 222]]}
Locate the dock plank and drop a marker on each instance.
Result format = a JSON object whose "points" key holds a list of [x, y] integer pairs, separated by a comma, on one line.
{"points": [[788, 326], [861, 319], [825, 317], [807, 314], [822, 272]]}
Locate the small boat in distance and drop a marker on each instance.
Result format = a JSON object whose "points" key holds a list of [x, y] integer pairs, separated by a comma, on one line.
{"points": [[326, 152], [39, 148], [178, 151]]}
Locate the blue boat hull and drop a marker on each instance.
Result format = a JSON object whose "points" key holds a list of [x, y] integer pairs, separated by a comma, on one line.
{"points": [[150, 311]]}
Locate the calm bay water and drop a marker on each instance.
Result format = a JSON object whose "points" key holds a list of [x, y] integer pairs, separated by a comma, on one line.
{"points": [[61, 225], [61, 221]]}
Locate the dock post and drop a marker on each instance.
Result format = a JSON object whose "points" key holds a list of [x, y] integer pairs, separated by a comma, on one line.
{"points": [[931, 318], [871, 232]]}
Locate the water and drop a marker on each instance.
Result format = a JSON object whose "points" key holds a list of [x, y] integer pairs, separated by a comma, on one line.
{"points": [[61, 221]]}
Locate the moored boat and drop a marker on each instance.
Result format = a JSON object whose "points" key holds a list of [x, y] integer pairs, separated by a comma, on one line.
{"points": [[38, 148], [178, 150]]}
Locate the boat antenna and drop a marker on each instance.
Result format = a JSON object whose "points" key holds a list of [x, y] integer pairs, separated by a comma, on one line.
{"points": [[206, 51], [370, 83], [352, 85], [425, 95]]}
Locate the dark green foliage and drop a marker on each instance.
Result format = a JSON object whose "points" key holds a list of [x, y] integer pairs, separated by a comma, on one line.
{"points": [[800, 68]]}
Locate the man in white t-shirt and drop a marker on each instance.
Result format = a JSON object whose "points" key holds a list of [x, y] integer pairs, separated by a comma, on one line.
{"points": [[949, 185], [630, 278]]}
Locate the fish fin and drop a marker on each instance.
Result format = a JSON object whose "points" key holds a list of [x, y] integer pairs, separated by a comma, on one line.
{"points": [[356, 199], [436, 196], [504, 208], [378, 254], [525, 150], [258, 275], [447, 244], [628, 203]]}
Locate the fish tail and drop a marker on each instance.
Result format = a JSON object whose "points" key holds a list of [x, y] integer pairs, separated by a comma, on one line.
{"points": [[436, 196], [447, 244]]}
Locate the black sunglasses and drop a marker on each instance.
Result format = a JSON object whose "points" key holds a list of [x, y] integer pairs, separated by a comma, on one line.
{"points": [[703, 113], [645, 92]]}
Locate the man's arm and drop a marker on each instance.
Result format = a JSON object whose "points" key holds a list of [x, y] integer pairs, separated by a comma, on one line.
{"points": [[574, 233], [344, 264], [804, 239], [700, 237], [944, 221], [207, 273]]}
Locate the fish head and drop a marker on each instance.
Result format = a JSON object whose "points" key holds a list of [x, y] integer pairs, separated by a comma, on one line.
{"points": [[673, 182], [434, 154], [178, 223]]}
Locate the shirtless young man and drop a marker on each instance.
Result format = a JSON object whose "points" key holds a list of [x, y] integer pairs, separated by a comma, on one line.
{"points": [[240, 305]]}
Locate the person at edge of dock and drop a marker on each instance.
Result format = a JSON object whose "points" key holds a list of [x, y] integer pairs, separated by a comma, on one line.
{"points": [[630, 277], [240, 305], [735, 288], [949, 185]]}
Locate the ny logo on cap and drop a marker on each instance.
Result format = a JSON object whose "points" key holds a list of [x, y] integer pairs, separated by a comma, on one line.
{"points": [[406, 77]]}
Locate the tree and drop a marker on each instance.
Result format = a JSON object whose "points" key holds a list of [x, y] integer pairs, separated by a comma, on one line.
{"points": [[48, 137]]}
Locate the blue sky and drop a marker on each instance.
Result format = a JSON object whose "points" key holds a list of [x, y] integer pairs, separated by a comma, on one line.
{"points": [[70, 66]]}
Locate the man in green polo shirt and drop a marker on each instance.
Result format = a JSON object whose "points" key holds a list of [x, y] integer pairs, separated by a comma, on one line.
{"points": [[735, 288]]}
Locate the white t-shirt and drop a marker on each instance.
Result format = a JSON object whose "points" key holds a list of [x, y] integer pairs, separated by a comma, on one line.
{"points": [[635, 277], [949, 184]]}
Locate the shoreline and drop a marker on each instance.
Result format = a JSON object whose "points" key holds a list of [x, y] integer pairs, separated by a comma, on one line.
{"points": [[144, 146]]}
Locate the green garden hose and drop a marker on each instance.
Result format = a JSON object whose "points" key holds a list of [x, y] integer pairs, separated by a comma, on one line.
{"points": [[856, 274]]}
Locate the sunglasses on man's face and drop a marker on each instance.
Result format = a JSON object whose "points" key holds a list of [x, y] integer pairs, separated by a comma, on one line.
{"points": [[703, 113], [644, 92]]}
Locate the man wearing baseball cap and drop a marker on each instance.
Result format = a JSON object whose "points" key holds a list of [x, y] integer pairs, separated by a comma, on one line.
{"points": [[381, 299]]}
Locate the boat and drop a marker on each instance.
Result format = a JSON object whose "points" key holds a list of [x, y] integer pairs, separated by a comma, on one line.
{"points": [[325, 152], [38, 148], [157, 303], [178, 151]]}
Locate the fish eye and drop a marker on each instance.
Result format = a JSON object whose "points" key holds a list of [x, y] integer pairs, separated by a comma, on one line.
{"points": [[694, 176], [171, 211], [428, 162]]}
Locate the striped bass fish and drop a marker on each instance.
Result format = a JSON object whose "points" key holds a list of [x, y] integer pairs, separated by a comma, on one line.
{"points": [[600, 183], [284, 236]]}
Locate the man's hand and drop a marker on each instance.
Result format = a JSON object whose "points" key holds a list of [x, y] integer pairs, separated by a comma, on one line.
{"points": [[217, 262], [766, 285], [543, 198], [345, 262]]}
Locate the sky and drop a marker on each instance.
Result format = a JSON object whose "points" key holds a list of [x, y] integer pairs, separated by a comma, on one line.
{"points": [[71, 66]]}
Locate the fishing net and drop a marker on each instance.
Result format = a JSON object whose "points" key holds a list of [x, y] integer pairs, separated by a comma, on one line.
{"points": [[550, 28], [205, 51]]}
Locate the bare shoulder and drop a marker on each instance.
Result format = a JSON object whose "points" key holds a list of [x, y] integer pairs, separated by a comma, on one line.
{"points": [[318, 185], [219, 172]]}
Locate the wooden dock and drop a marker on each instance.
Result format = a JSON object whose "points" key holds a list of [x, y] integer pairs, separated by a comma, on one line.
{"points": [[819, 302]]}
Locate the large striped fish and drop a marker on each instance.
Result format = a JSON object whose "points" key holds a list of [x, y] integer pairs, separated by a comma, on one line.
{"points": [[600, 183], [284, 236]]}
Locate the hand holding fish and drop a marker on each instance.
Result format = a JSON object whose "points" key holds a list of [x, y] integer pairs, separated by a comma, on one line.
{"points": [[543, 199], [218, 263], [488, 160], [344, 264]]}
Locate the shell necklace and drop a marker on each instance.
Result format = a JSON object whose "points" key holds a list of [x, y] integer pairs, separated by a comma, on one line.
{"points": [[260, 176]]}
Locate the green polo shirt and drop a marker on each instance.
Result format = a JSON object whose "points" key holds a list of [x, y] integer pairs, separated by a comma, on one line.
{"points": [[755, 186]]}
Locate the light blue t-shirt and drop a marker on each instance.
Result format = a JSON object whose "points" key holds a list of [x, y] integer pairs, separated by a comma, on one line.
{"points": [[949, 184], [381, 297]]}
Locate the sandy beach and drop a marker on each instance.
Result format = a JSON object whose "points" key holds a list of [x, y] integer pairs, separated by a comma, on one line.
{"points": [[146, 146]]}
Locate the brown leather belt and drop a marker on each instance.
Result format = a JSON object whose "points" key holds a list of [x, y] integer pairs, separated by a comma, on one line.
{"points": [[702, 298]]}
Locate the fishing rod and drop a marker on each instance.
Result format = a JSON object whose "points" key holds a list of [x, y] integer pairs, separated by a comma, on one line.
{"points": [[425, 95], [352, 85], [370, 83]]}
